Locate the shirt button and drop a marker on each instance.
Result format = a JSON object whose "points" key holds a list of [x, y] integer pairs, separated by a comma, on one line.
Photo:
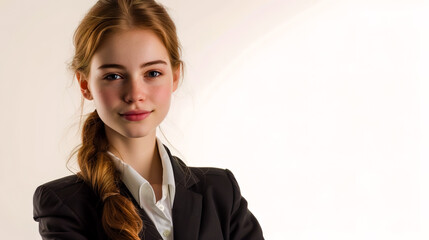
{"points": [[166, 233], [161, 207]]}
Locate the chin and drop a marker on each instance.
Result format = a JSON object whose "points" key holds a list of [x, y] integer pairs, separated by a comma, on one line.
{"points": [[135, 134]]}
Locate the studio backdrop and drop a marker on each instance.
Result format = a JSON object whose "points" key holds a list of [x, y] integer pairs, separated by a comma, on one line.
{"points": [[319, 107]]}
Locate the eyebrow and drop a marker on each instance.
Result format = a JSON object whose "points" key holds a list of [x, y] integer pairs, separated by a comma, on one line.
{"points": [[141, 66]]}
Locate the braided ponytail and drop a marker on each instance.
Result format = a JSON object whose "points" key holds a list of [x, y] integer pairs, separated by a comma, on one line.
{"points": [[120, 217]]}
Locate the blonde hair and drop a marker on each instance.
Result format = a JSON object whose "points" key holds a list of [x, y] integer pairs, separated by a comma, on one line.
{"points": [[120, 218]]}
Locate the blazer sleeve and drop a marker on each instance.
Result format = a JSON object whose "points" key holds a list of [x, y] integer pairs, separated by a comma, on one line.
{"points": [[243, 224], [56, 219]]}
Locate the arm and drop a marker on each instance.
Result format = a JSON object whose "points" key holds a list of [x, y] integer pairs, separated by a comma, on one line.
{"points": [[243, 224], [56, 219]]}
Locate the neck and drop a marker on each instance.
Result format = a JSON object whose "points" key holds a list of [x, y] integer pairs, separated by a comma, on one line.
{"points": [[140, 153]]}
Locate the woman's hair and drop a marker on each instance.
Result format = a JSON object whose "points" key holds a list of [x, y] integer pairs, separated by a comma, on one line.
{"points": [[120, 218]]}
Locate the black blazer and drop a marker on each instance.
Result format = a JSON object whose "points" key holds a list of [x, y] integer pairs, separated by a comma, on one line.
{"points": [[207, 205]]}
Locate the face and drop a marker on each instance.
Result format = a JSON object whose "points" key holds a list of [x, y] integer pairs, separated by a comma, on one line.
{"points": [[130, 81]]}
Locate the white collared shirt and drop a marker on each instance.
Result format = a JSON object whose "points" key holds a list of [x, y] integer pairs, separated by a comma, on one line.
{"points": [[158, 211]]}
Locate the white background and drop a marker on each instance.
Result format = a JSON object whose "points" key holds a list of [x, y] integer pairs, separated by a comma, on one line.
{"points": [[319, 107]]}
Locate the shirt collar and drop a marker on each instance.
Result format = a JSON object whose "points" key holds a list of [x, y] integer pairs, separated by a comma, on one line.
{"points": [[133, 180], [167, 170]]}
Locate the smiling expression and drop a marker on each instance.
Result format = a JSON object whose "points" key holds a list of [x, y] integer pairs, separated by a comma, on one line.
{"points": [[130, 81]]}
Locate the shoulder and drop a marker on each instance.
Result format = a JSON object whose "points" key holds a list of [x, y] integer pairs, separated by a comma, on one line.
{"points": [[214, 184], [222, 200], [65, 195], [201, 176], [72, 181], [65, 189], [67, 208], [218, 186], [214, 176]]}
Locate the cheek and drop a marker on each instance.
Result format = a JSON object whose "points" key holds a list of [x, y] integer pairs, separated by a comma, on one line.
{"points": [[105, 97], [162, 94]]}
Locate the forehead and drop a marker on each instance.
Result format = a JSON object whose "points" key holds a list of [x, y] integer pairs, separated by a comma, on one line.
{"points": [[130, 47]]}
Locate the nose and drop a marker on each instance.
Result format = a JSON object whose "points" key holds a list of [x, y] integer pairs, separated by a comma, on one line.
{"points": [[135, 90]]}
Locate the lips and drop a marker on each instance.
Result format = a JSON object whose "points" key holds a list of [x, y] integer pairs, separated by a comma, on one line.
{"points": [[135, 112], [135, 115]]}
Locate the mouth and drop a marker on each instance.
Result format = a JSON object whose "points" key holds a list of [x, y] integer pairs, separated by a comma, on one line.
{"points": [[135, 115], [134, 112]]}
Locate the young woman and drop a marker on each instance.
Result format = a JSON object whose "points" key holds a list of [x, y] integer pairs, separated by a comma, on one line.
{"points": [[127, 61]]}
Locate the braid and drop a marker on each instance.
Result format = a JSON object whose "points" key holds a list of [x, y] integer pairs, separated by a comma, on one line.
{"points": [[120, 217]]}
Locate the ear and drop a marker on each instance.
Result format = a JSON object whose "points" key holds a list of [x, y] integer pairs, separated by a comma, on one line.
{"points": [[83, 84], [176, 77]]}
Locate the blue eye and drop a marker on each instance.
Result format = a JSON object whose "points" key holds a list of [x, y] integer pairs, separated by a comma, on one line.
{"points": [[153, 74], [112, 77]]}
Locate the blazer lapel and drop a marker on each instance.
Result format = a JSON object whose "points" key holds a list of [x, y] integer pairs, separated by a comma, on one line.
{"points": [[149, 230], [186, 214], [187, 204]]}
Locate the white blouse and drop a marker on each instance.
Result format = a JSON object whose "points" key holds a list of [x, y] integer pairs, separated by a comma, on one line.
{"points": [[158, 211]]}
